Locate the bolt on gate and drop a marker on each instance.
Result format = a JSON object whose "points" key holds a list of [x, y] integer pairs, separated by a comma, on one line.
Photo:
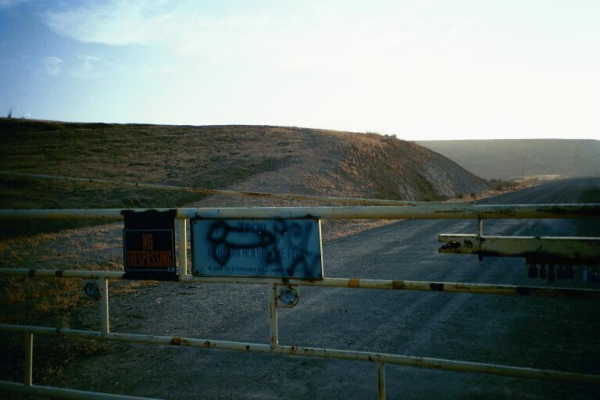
{"points": [[227, 242]]}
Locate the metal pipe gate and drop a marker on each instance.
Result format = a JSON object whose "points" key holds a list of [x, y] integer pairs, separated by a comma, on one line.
{"points": [[430, 211]]}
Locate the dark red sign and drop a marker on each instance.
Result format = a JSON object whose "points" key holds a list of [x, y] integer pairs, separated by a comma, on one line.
{"points": [[149, 245]]}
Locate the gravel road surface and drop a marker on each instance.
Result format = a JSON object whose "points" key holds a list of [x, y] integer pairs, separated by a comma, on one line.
{"points": [[530, 332]]}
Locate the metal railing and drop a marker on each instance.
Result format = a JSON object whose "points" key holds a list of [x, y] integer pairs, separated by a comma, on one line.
{"points": [[407, 211], [416, 211]]}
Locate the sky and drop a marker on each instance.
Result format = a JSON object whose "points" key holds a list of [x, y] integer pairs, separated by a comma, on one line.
{"points": [[420, 70]]}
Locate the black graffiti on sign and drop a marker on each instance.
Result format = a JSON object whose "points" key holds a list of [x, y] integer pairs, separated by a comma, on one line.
{"points": [[283, 246]]}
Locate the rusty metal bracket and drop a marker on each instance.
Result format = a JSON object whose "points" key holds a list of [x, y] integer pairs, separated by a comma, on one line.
{"points": [[288, 297]]}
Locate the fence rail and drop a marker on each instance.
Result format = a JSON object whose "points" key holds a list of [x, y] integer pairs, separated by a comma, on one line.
{"points": [[63, 393], [419, 211], [328, 353], [351, 283]]}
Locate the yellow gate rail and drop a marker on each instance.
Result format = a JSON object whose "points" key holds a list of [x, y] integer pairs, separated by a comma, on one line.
{"points": [[352, 283], [410, 361]]}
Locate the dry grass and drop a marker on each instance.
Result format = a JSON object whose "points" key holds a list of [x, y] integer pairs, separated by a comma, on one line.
{"points": [[308, 161]]}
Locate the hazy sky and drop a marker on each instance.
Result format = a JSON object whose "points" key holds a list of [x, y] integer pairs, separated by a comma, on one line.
{"points": [[417, 69]]}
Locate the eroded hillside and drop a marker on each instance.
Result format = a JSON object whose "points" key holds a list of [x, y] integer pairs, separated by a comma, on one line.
{"points": [[261, 158]]}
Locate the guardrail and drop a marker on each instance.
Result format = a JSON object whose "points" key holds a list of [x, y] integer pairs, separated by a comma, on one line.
{"points": [[430, 211]]}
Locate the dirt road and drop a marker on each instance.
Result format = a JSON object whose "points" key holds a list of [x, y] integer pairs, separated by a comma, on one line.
{"points": [[529, 332]]}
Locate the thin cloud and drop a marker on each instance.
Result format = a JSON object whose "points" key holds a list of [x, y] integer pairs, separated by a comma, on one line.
{"points": [[112, 23], [265, 36], [182, 26], [321, 37], [52, 65], [88, 62], [93, 67], [88, 67]]}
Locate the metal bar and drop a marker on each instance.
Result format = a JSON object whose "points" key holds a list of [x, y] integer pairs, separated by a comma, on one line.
{"points": [[28, 377], [285, 196], [45, 330], [426, 286], [429, 211], [580, 250], [381, 381], [181, 238], [62, 273], [421, 211], [104, 304], [387, 358], [273, 314], [351, 283], [56, 392], [106, 213]]}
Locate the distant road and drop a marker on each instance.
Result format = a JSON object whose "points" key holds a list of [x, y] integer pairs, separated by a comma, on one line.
{"points": [[531, 332]]}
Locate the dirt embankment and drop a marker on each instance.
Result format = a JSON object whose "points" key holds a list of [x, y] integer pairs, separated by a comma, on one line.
{"points": [[278, 159], [348, 164]]}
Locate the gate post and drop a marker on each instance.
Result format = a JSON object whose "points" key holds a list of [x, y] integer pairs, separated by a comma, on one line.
{"points": [[181, 243], [273, 314], [28, 359], [104, 312], [381, 381]]}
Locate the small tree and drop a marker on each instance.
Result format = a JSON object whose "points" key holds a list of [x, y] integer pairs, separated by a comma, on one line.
{"points": [[9, 115]]}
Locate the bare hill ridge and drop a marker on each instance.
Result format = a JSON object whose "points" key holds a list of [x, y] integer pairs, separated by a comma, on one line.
{"points": [[507, 159], [264, 158]]}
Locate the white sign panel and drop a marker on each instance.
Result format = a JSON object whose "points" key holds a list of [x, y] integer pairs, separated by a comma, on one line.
{"points": [[279, 248]]}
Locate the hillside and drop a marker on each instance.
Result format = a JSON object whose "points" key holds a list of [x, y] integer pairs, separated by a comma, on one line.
{"points": [[507, 159], [264, 158]]}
